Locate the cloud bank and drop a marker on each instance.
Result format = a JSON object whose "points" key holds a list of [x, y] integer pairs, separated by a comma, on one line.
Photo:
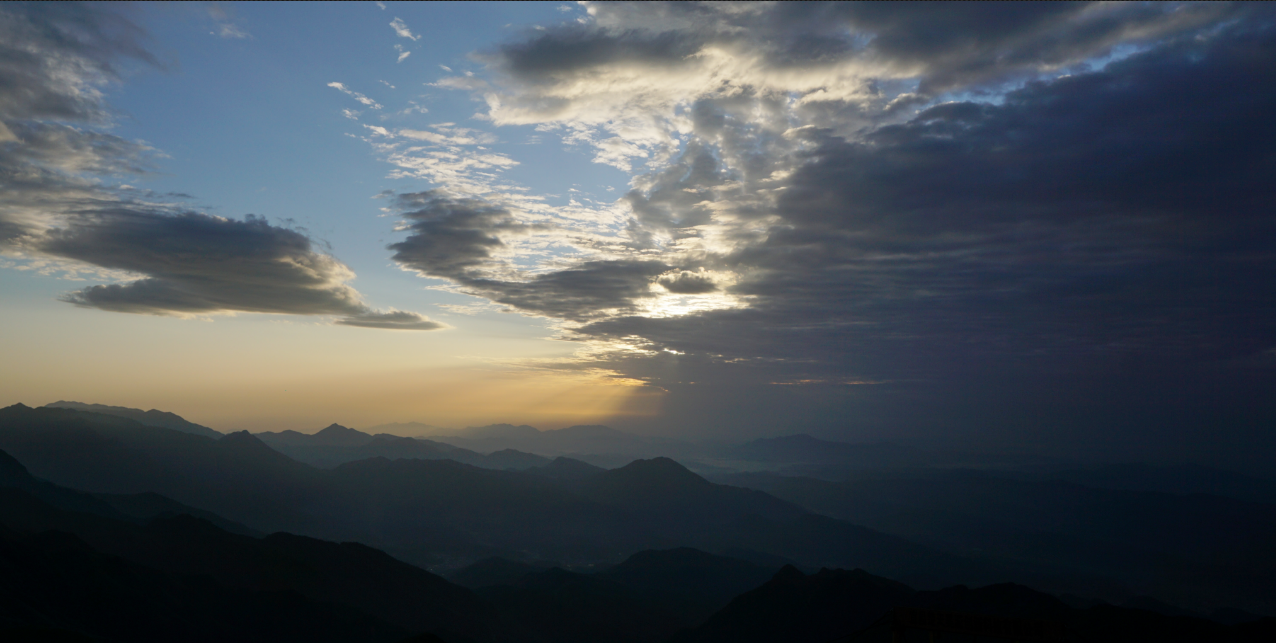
{"points": [[58, 165], [926, 195]]}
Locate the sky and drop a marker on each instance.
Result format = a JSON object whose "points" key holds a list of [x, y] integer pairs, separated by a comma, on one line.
{"points": [[1035, 228]]}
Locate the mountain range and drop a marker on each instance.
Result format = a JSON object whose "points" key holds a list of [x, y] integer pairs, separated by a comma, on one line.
{"points": [[114, 530], [1174, 553]]}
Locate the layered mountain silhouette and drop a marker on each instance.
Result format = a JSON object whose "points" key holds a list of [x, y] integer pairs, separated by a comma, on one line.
{"points": [[564, 468], [336, 445], [855, 605], [153, 417], [114, 530], [190, 565], [431, 511], [1178, 479], [594, 442], [569, 607], [1057, 533]]}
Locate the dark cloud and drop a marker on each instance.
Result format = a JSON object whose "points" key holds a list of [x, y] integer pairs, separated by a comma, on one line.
{"points": [[450, 236], [194, 263], [393, 320], [945, 46], [590, 289], [56, 169], [54, 55], [454, 238], [199, 263], [574, 47], [1086, 261], [1111, 213]]}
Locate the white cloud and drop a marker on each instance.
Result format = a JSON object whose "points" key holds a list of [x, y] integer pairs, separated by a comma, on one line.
{"points": [[228, 30], [355, 95], [401, 29]]}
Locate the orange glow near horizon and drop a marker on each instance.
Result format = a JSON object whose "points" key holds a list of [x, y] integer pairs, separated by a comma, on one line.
{"points": [[254, 373]]}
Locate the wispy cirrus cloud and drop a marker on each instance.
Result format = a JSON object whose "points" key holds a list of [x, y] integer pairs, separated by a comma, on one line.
{"points": [[371, 104]]}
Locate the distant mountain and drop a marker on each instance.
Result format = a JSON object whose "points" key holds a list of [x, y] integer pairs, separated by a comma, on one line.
{"points": [[567, 607], [409, 429], [564, 468], [702, 581], [493, 571], [334, 435], [1180, 479], [1149, 542], [791, 606], [500, 432], [694, 575], [55, 582], [236, 476], [856, 606], [805, 449], [428, 511], [582, 439], [510, 459], [337, 445], [152, 417], [145, 507], [660, 485], [348, 574]]}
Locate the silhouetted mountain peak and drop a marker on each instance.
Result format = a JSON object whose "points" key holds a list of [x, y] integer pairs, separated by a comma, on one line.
{"points": [[19, 406], [334, 435], [334, 430], [153, 417], [788, 574], [660, 469], [564, 468], [658, 483]]}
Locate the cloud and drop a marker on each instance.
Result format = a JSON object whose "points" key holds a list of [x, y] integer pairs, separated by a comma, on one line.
{"points": [[225, 25], [1080, 220], [979, 207], [401, 29], [231, 31], [355, 95], [461, 240], [393, 320], [686, 282], [88, 42], [625, 75], [64, 205]]}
